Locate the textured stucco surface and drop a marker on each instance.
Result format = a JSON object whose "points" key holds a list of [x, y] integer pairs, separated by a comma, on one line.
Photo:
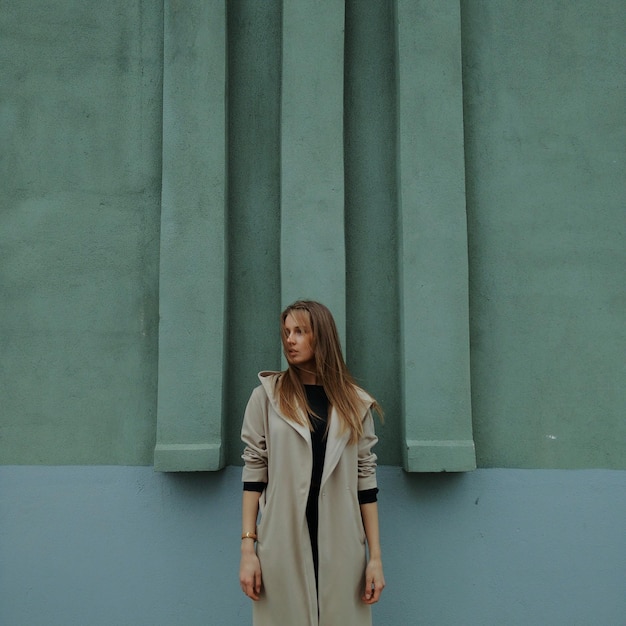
{"points": [[80, 128], [253, 203], [80, 119], [128, 546], [545, 156], [371, 205]]}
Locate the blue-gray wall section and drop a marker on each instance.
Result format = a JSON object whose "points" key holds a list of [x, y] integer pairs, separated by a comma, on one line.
{"points": [[109, 546]]}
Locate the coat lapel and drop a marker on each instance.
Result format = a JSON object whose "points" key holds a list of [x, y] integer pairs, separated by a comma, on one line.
{"points": [[268, 380], [335, 445], [337, 441], [300, 428]]}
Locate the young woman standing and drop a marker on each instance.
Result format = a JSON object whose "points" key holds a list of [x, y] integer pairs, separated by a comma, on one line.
{"points": [[311, 473]]}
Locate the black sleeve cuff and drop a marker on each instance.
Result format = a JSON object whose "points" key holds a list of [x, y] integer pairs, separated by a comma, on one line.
{"points": [[254, 486], [366, 496]]}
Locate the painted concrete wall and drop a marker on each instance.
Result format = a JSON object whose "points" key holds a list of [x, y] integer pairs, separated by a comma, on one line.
{"points": [[80, 124], [544, 127], [545, 155], [131, 547]]}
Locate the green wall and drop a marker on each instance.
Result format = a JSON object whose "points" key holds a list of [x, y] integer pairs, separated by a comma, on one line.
{"points": [[254, 215], [254, 202], [80, 128], [545, 153]]}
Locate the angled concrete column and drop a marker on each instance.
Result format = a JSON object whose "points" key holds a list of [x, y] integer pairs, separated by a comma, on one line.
{"points": [[312, 192], [192, 263], [433, 239]]}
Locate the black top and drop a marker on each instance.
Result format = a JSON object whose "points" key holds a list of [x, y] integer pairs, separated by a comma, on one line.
{"points": [[318, 402]]}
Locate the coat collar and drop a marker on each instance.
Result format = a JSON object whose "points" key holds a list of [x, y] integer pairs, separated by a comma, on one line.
{"points": [[335, 444], [268, 380], [336, 441]]}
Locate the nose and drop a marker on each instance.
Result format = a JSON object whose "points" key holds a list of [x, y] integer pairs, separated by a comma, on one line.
{"points": [[290, 338]]}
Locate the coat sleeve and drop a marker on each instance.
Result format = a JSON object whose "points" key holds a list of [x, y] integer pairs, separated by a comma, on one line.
{"points": [[254, 437], [367, 458]]}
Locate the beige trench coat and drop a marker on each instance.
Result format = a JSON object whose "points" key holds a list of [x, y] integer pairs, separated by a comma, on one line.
{"points": [[278, 451]]}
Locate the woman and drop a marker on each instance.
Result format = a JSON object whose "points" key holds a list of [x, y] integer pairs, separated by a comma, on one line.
{"points": [[310, 471]]}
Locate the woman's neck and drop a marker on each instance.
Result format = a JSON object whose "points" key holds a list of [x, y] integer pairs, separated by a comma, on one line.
{"points": [[307, 377]]}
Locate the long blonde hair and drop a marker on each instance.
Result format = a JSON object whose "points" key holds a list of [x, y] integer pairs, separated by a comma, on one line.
{"points": [[330, 370]]}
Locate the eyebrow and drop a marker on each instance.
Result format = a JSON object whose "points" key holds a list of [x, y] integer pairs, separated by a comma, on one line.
{"points": [[297, 327]]}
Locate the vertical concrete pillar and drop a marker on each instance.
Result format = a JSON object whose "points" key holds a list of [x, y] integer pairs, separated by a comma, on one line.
{"points": [[433, 239], [192, 262], [372, 285], [312, 187]]}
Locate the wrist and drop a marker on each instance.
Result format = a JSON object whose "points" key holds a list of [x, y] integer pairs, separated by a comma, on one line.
{"points": [[248, 539]]}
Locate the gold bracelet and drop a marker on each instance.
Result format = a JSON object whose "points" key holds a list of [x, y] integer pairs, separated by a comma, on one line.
{"points": [[249, 536]]}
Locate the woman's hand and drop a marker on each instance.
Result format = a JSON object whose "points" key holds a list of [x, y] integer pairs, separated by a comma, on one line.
{"points": [[250, 571], [374, 578], [374, 581], [250, 566]]}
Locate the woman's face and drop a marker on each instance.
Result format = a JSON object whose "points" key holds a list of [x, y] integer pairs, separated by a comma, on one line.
{"points": [[298, 342]]}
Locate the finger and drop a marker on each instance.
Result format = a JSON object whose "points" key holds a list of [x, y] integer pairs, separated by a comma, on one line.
{"points": [[247, 585], [369, 598], [257, 582], [376, 589], [376, 592], [369, 581], [249, 588]]}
